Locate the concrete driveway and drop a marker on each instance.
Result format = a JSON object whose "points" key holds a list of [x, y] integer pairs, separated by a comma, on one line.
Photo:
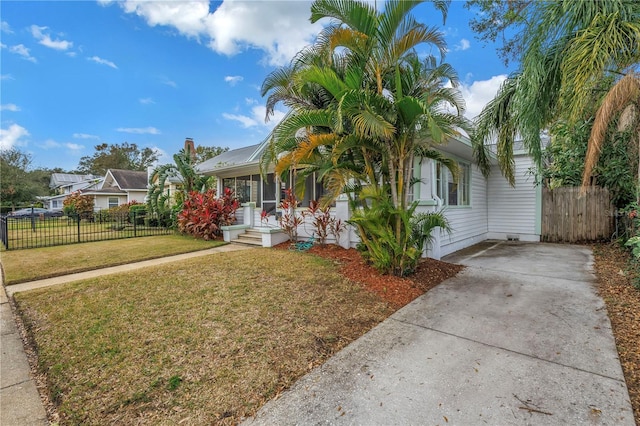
{"points": [[520, 337]]}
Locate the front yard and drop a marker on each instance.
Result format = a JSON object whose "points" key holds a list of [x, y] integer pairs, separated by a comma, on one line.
{"points": [[31, 264], [209, 340], [206, 340]]}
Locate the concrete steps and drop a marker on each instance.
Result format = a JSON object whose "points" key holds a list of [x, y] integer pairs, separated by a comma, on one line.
{"points": [[250, 237]]}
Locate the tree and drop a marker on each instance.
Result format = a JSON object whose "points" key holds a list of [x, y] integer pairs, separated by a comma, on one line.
{"points": [[363, 106], [203, 153], [184, 171], [572, 53], [19, 184], [125, 156], [500, 21], [622, 101]]}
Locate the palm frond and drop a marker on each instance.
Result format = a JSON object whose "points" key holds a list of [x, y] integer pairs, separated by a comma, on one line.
{"points": [[624, 93]]}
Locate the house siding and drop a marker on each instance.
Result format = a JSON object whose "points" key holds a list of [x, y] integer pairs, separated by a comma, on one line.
{"points": [[468, 223], [514, 212], [102, 202]]}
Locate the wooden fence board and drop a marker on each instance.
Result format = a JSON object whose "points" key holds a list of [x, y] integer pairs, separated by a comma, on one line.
{"points": [[571, 217]]}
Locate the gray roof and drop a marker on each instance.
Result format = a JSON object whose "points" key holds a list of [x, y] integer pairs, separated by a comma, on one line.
{"points": [[238, 156], [130, 179]]}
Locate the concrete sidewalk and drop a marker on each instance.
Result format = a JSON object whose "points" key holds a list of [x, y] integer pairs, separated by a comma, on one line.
{"points": [[518, 338], [20, 403]]}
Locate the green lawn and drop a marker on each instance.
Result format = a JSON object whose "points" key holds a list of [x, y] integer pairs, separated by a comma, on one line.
{"points": [[207, 340], [31, 264]]}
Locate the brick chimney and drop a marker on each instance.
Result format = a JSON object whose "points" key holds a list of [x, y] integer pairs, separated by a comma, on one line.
{"points": [[190, 148]]}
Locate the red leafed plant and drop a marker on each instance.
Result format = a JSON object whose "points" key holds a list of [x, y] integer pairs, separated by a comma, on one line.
{"points": [[203, 214]]}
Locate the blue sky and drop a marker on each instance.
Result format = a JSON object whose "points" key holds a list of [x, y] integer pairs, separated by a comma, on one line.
{"points": [[78, 73]]}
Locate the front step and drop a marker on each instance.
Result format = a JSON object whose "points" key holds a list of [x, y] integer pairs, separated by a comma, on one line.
{"points": [[250, 237]]}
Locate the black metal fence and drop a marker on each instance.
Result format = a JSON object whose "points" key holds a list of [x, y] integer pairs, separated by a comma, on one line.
{"points": [[44, 231]]}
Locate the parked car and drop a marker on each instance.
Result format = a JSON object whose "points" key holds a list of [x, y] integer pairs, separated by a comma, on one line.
{"points": [[36, 212]]}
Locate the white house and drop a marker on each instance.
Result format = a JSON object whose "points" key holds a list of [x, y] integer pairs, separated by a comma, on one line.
{"points": [[119, 187], [477, 208], [64, 184]]}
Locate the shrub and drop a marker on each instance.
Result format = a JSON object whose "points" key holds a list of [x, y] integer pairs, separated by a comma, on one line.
{"points": [[137, 213], [78, 204], [289, 220], [121, 212], [203, 214], [393, 239]]}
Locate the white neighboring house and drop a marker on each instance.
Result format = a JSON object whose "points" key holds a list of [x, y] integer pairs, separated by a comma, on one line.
{"points": [[119, 187], [64, 184], [477, 208]]}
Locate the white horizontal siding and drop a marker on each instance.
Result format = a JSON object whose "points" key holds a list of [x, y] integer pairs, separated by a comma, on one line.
{"points": [[513, 210], [469, 223]]}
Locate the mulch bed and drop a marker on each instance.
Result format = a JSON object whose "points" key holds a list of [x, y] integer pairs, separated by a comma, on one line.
{"points": [[623, 305], [394, 290]]}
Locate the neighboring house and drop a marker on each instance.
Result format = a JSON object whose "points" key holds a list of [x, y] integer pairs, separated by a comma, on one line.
{"points": [[64, 184], [119, 187], [477, 208]]}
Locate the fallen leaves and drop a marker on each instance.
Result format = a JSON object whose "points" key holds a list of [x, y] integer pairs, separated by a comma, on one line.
{"points": [[623, 305]]}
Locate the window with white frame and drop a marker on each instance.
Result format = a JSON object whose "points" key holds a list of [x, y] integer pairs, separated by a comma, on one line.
{"points": [[113, 202], [453, 193]]}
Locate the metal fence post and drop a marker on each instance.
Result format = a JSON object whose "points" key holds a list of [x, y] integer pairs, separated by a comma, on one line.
{"points": [[33, 220], [5, 232], [135, 223], [78, 217]]}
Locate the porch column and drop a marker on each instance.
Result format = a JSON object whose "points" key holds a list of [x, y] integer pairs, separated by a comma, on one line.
{"points": [[248, 209], [343, 213]]}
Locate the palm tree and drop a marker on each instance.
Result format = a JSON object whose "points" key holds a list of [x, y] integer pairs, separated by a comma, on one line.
{"points": [[363, 106], [570, 48], [183, 170], [623, 102]]}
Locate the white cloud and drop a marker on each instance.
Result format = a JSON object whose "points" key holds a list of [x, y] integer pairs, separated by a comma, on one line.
{"points": [[169, 82], [5, 27], [12, 136], [146, 101], [99, 60], [479, 93], [139, 130], [45, 39], [259, 112], [6, 77], [73, 146], [243, 119], [280, 29], [20, 49], [251, 101], [256, 117], [163, 156], [233, 79], [48, 144], [9, 107], [51, 144], [463, 45], [85, 136]]}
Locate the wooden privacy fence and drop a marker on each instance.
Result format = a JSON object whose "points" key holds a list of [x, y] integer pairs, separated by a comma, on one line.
{"points": [[571, 217]]}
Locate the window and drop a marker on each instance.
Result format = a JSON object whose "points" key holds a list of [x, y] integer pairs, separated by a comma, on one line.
{"points": [[245, 188], [269, 190], [113, 202], [313, 190], [450, 192]]}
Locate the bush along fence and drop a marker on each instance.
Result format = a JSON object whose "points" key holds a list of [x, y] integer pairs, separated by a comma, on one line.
{"points": [[42, 231]]}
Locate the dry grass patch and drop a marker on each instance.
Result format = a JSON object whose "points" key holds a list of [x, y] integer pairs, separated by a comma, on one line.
{"points": [[31, 264], [205, 341]]}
